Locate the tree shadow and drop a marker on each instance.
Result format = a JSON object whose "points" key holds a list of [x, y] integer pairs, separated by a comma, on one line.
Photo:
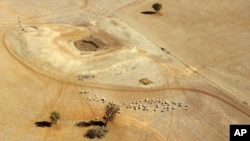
{"points": [[43, 124], [148, 12], [90, 123]]}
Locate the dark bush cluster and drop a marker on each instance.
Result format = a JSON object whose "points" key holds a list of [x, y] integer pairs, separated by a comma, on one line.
{"points": [[96, 132], [157, 6]]}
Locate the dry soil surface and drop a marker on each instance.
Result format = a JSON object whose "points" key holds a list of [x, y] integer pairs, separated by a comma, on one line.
{"points": [[181, 74]]}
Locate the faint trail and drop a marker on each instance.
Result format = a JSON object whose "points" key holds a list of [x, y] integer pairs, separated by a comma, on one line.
{"points": [[57, 13], [4, 125], [87, 103], [80, 98], [137, 2], [141, 125], [6, 8], [46, 136], [218, 86], [222, 97], [31, 124], [86, 3], [223, 59], [204, 113]]}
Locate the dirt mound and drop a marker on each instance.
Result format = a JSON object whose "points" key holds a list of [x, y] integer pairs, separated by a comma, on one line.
{"points": [[105, 56], [145, 81]]}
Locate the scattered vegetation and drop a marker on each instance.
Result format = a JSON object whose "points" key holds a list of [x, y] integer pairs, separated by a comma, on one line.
{"points": [[112, 109], [157, 7], [55, 116], [96, 132]]}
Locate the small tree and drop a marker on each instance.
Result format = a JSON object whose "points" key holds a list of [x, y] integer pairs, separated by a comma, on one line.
{"points": [[157, 6], [55, 116], [111, 110]]}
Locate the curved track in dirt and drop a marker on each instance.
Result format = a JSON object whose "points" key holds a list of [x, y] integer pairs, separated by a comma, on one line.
{"points": [[222, 97], [212, 109], [26, 18]]}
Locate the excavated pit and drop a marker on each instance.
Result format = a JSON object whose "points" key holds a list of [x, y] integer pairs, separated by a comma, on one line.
{"points": [[83, 45], [58, 52], [90, 44]]}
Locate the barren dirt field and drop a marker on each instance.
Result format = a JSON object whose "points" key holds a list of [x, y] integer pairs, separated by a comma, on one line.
{"points": [[180, 74]]}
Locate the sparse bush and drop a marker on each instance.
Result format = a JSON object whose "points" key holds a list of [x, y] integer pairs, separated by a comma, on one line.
{"points": [[55, 116], [96, 133], [157, 6]]}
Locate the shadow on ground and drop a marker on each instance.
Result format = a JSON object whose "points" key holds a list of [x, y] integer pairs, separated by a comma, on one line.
{"points": [[148, 12], [90, 123], [43, 124]]}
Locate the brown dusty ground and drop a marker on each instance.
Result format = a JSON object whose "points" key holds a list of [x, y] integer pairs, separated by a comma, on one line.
{"points": [[194, 53]]}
